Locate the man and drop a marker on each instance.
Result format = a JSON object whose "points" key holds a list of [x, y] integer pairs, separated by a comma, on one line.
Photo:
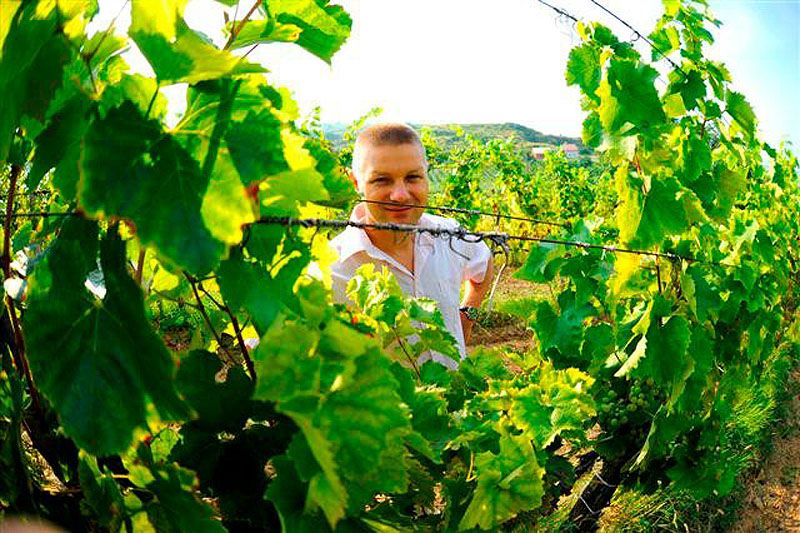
{"points": [[390, 166]]}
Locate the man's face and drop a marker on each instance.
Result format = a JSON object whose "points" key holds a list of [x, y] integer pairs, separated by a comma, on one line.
{"points": [[396, 174]]}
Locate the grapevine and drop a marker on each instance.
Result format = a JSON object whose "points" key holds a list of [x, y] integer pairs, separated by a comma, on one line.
{"points": [[282, 409]]}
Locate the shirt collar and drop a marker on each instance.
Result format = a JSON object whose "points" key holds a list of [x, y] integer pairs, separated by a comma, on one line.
{"points": [[353, 240]]}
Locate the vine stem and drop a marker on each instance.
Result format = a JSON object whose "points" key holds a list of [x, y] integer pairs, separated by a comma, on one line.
{"points": [[658, 274], [251, 369], [12, 187], [408, 355], [238, 27], [19, 348], [140, 265], [202, 308]]}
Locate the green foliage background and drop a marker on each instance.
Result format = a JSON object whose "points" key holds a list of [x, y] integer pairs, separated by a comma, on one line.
{"points": [[109, 421]]}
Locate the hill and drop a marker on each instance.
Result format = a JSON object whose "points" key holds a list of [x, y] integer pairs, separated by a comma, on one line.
{"points": [[446, 133]]}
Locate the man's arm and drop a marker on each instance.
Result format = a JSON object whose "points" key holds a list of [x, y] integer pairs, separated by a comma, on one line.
{"points": [[474, 293]]}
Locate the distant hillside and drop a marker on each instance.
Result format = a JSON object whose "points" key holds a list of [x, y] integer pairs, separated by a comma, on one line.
{"points": [[446, 134]]}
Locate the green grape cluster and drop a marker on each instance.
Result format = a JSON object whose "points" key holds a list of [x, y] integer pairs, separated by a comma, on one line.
{"points": [[632, 406]]}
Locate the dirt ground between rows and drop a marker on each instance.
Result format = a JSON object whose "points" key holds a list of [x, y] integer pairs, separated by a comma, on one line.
{"points": [[772, 497]]}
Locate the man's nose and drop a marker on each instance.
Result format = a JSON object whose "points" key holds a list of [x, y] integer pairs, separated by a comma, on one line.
{"points": [[400, 193]]}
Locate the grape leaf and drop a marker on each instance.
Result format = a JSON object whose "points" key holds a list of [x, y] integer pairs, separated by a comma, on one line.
{"points": [[176, 52], [251, 287], [34, 58], [635, 99], [61, 137], [667, 360], [251, 133], [741, 111], [583, 69], [102, 493], [323, 27], [562, 331], [109, 357], [557, 403], [508, 483], [663, 213], [691, 88], [174, 507], [132, 169], [288, 493], [696, 159]]}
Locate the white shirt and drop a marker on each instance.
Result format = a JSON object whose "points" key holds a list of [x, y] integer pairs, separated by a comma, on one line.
{"points": [[439, 271]]}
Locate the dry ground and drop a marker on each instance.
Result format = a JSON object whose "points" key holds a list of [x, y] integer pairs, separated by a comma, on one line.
{"points": [[772, 499]]}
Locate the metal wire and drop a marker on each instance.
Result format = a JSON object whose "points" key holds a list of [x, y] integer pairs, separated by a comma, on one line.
{"points": [[640, 36], [42, 214], [470, 212], [499, 239]]}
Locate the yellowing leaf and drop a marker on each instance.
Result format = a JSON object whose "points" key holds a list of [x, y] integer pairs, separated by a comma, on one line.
{"points": [[156, 16], [673, 106], [226, 208], [625, 266], [7, 10]]}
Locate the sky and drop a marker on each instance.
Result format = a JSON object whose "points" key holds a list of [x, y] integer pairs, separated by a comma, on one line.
{"points": [[467, 61]]}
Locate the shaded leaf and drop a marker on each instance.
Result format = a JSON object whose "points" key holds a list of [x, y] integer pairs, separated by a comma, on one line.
{"points": [[109, 360], [132, 169]]}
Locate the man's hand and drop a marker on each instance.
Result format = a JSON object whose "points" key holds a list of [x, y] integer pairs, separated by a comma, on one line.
{"points": [[474, 293]]}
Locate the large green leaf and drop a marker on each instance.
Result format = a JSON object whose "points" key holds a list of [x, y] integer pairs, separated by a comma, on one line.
{"points": [[60, 141], [176, 52], [558, 402], [508, 483], [663, 213], [132, 169], [667, 360], [242, 124], [630, 96], [102, 493], [583, 69], [250, 286], [315, 25], [250, 134], [288, 492], [33, 59], [742, 112], [109, 360], [691, 88], [562, 331], [350, 412]]}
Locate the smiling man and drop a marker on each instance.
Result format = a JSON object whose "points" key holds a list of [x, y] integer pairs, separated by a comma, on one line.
{"points": [[390, 167]]}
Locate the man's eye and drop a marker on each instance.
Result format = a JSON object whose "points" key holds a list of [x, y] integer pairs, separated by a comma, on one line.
{"points": [[414, 177]]}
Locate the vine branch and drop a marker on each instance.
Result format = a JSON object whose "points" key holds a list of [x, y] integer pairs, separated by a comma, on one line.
{"points": [[140, 265], [202, 308], [238, 27], [19, 345], [408, 355], [251, 369]]}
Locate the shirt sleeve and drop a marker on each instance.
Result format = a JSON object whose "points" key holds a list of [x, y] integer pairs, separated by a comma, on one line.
{"points": [[479, 256]]}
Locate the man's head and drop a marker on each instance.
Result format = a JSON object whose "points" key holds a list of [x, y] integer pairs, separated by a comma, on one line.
{"points": [[389, 165]]}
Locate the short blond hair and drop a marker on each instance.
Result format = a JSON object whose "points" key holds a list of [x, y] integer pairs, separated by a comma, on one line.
{"points": [[387, 134]]}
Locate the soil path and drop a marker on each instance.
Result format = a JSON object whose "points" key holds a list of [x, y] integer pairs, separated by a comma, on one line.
{"points": [[772, 498]]}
